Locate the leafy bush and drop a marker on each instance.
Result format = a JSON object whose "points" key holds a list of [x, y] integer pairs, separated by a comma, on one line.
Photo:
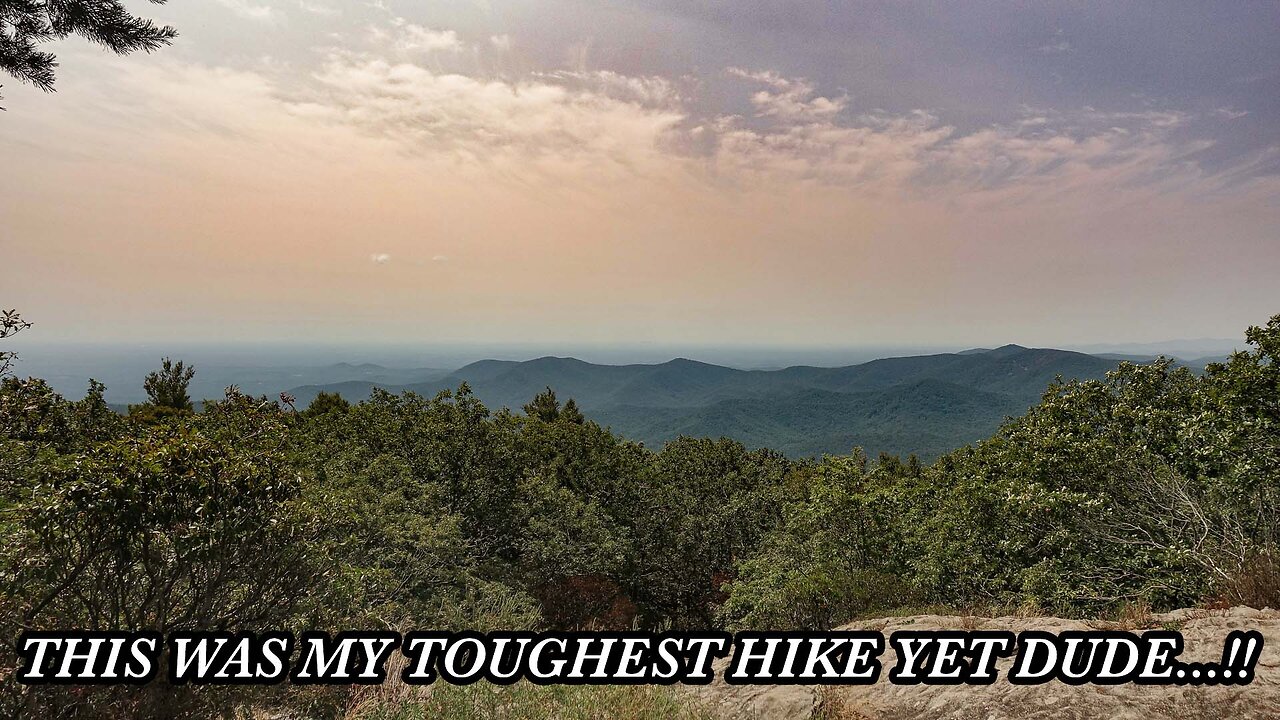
{"points": [[184, 527]]}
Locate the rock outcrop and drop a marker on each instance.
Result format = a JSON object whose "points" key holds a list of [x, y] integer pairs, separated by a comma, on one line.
{"points": [[1203, 630]]}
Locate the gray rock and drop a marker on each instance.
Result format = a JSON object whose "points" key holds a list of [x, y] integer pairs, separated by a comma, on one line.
{"points": [[1203, 630]]}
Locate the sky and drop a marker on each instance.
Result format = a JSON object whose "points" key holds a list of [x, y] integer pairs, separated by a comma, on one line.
{"points": [[759, 172]]}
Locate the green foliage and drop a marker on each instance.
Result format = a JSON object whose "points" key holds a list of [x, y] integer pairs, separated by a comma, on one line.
{"points": [[186, 504], [11, 323], [167, 387], [30, 411], [571, 413], [705, 505], [928, 405], [544, 406], [147, 415], [483, 701], [1152, 485], [835, 554], [27, 24], [167, 398], [185, 526], [324, 403], [403, 557]]}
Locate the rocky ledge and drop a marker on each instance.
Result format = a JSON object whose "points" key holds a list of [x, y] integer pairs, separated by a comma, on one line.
{"points": [[1203, 630]]}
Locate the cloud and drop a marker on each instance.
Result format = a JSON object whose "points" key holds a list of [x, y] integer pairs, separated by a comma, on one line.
{"points": [[500, 42], [1230, 113], [439, 258], [605, 122], [621, 186], [768, 77], [799, 135], [647, 90], [596, 123], [407, 37], [584, 129], [792, 99], [1057, 46], [247, 10], [883, 150], [318, 9]]}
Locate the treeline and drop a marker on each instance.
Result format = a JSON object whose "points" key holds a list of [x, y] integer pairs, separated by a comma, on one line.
{"points": [[1155, 485]]}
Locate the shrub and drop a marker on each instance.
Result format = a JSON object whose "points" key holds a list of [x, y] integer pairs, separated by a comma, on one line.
{"points": [[184, 527]]}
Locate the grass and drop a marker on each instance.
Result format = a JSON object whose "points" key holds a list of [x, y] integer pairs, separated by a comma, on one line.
{"points": [[483, 701], [394, 700]]}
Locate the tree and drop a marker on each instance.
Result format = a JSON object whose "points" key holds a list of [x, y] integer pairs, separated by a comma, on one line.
{"points": [[93, 418], [571, 414], [704, 505], [25, 24], [11, 323], [834, 555], [326, 403], [544, 406], [167, 387]]}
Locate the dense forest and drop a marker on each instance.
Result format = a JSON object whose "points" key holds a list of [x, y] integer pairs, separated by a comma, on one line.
{"points": [[1155, 485], [922, 404]]}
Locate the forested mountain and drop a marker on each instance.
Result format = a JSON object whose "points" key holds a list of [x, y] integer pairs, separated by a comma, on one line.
{"points": [[1153, 487], [926, 405]]}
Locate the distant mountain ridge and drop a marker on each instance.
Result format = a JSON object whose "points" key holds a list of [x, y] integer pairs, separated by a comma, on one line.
{"points": [[926, 404]]}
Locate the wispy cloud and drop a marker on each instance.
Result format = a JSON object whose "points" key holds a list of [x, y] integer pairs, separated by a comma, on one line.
{"points": [[614, 185], [556, 164], [577, 125], [605, 124], [250, 11], [318, 9], [793, 99], [408, 37], [1057, 46], [799, 136]]}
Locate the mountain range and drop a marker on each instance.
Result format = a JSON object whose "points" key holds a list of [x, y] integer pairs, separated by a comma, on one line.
{"points": [[925, 404]]}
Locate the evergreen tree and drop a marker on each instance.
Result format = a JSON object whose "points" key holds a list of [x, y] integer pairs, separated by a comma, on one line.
{"points": [[25, 24], [167, 387], [571, 414], [544, 406]]}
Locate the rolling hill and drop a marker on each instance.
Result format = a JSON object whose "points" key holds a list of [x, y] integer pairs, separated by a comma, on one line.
{"points": [[925, 404]]}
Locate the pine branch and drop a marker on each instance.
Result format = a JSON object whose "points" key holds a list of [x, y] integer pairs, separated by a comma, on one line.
{"points": [[25, 24]]}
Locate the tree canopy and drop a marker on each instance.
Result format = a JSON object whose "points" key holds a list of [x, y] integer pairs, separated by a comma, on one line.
{"points": [[1155, 486]]}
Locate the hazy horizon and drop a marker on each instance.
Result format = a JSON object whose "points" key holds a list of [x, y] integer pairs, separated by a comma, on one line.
{"points": [[401, 354], [268, 368]]}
